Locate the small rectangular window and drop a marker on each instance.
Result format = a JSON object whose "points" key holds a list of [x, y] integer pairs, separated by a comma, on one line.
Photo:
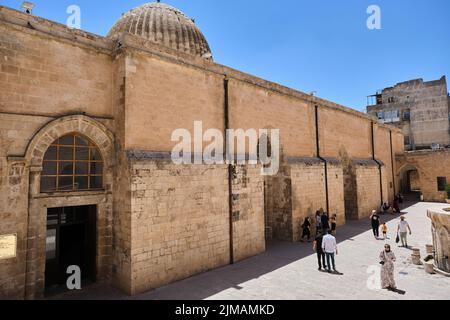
{"points": [[442, 182]]}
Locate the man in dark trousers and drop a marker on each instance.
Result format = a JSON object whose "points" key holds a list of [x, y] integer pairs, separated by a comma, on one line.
{"points": [[317, 246], [375, 220]]}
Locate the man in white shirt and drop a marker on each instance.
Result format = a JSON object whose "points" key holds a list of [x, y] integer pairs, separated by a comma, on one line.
{"points": [[403, 228], [329, 246]]}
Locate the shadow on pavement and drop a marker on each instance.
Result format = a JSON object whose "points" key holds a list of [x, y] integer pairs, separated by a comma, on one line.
{"points": [[401, 292]]}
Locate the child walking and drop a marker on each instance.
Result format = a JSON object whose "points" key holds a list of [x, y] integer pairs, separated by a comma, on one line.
{"points": [[384, 230]]}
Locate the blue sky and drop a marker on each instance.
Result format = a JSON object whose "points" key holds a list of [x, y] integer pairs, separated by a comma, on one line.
{"points": [[321, 46]]}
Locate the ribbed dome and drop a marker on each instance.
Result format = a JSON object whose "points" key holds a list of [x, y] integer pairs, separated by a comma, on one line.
{"points": [[165, 25]]}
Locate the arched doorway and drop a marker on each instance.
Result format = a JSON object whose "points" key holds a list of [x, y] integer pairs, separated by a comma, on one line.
{"points": [[410, 185], [70, 164]]}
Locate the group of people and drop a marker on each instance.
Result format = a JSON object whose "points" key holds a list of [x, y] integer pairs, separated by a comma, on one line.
{"points": [[323, 221], [395, 207], [324, 243], [377, 225], [402, 228]]}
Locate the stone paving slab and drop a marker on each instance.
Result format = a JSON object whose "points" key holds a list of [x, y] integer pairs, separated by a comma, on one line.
{"points": [[288, 271]]}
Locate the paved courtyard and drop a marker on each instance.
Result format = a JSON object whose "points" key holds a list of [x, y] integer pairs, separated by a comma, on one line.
{"points": [[289, 270]]}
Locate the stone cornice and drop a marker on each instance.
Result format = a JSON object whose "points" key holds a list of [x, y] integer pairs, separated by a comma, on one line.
{"points": [[40, 26]]}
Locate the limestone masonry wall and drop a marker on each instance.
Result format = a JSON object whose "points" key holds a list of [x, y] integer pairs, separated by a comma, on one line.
{"points": [[297, 192], [368, 190], [166, 96], [342, 133], [336, 192], [180, 222], [122, 186], [278, 205], [44, 76], [308, 194], [383, 154], [14, 220], [248, 212], [259, 108]]}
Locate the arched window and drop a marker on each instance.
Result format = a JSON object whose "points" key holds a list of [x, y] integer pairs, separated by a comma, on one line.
{"points": [[72, 163]]}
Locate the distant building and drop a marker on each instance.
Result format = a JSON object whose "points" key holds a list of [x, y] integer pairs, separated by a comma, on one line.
{"points": [[420, 109]]}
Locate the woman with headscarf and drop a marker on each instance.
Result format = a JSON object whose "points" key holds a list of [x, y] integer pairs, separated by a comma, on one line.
{"points": [[387, 259]]}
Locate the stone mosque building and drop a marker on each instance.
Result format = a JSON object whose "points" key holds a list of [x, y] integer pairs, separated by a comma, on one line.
{"points": [[86, 176]]}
